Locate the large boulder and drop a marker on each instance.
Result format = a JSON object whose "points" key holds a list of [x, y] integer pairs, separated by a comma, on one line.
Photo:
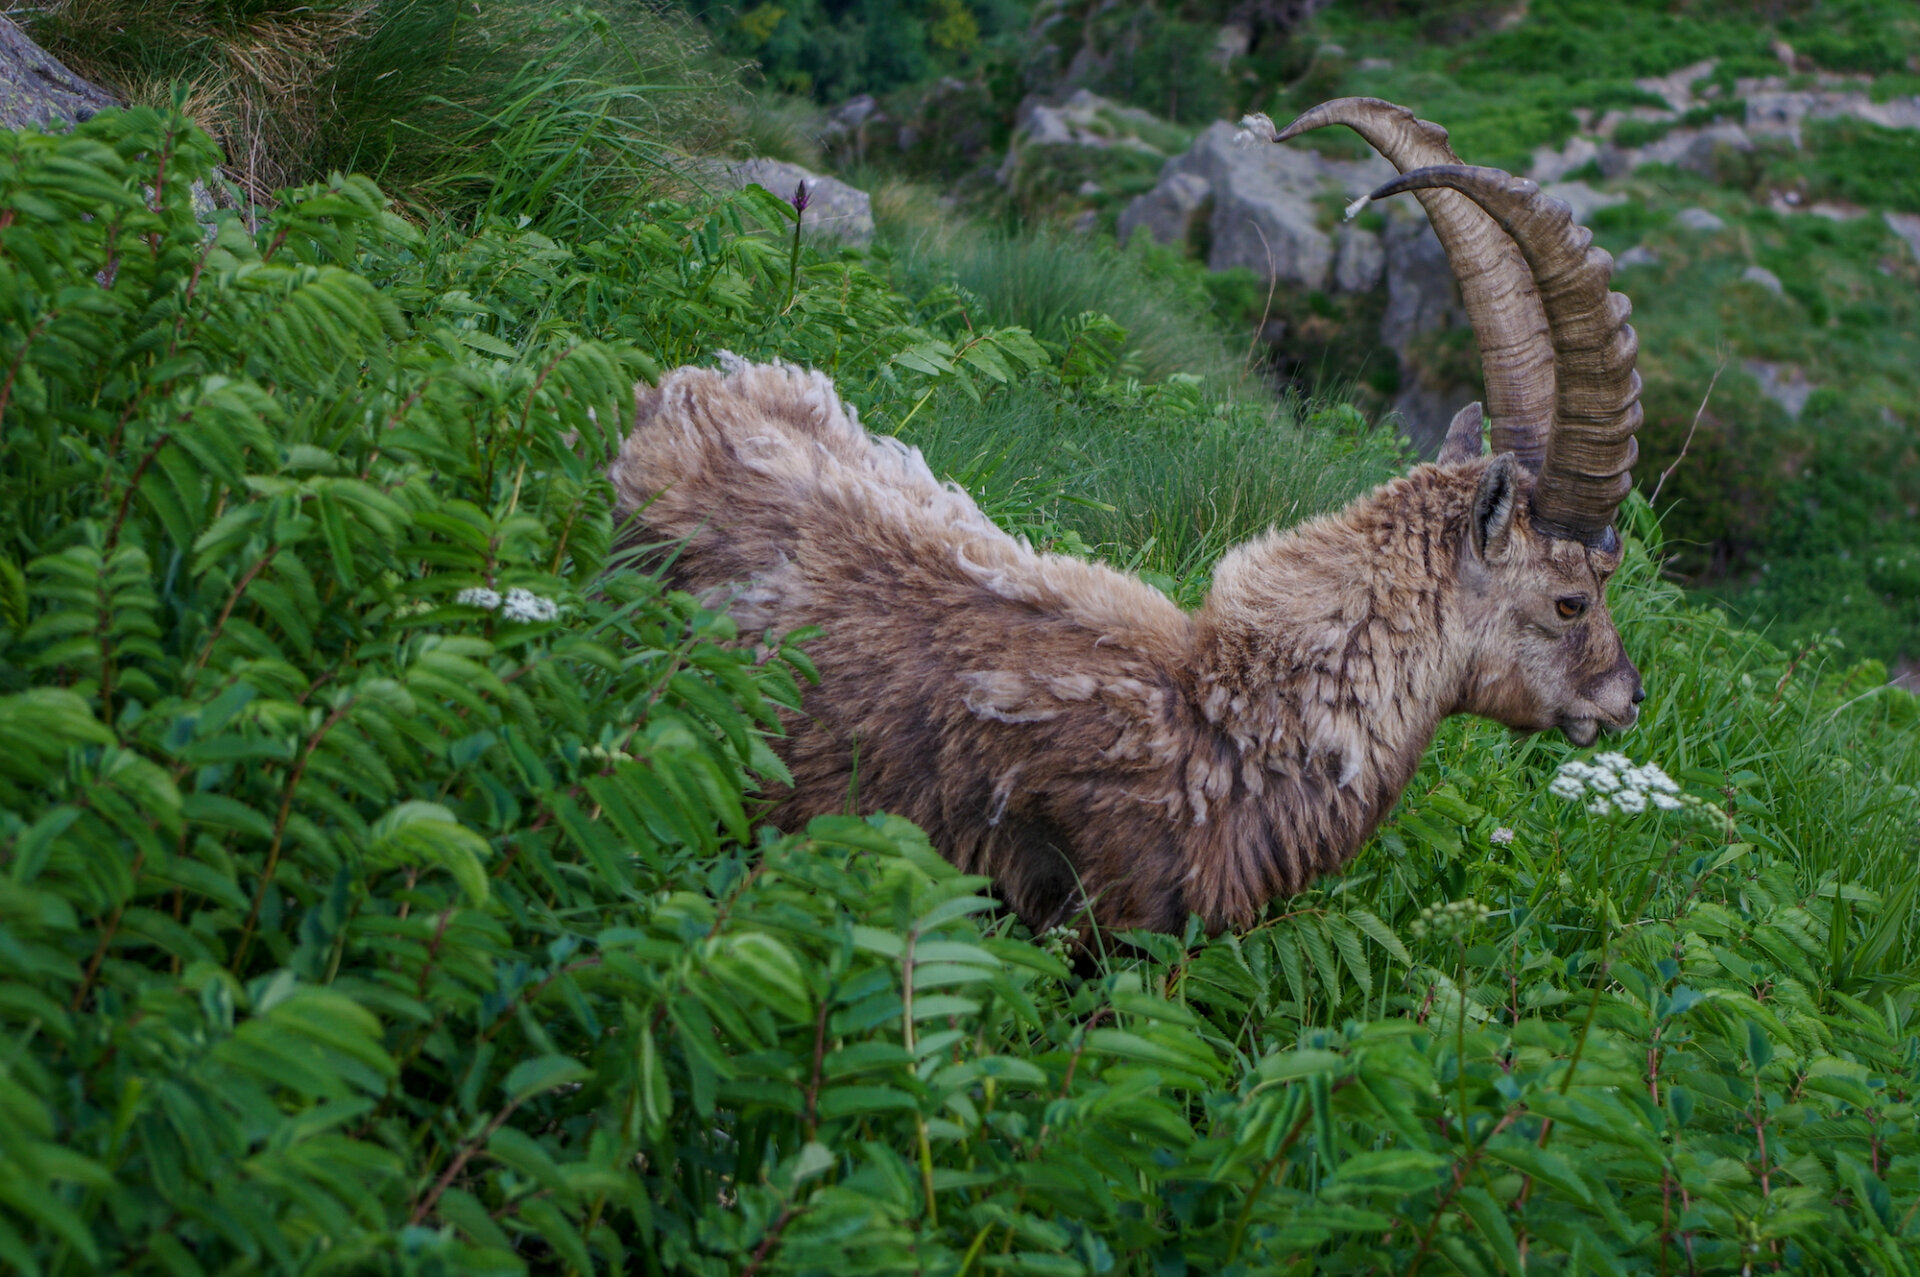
{"points": [[1423, 298], [833, 208], [36, 90], [1263, 203], [1172, 211]]}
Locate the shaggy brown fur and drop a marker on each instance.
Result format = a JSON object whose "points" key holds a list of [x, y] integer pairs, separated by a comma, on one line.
{"points": [[1066, 728]]}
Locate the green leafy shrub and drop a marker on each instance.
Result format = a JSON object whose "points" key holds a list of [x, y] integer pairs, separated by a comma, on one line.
{"points": [[379, 894]]}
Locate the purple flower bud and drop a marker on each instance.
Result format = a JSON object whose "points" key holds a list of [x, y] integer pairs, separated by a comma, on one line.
{"points": [[801, 198]]}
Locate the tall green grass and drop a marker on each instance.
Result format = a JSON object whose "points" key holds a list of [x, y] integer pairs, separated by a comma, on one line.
{"points": [[1166, 492], [1043, 279]]}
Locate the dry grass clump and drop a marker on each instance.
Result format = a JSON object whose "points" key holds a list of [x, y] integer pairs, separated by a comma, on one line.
{"points": [[448, 103]]}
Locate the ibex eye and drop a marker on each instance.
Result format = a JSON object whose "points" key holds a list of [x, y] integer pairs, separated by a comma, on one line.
{"points": [[1570, 608]]}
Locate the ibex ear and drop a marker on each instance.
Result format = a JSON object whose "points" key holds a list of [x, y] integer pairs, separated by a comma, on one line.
{"points": [[1493, 508], [1463, 437]]}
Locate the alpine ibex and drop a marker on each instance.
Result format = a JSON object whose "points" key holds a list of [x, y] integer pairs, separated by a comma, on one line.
{"points": [[1067, 729]]}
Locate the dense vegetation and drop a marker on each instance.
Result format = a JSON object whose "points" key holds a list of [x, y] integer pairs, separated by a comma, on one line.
{"points": [[379, 885]]}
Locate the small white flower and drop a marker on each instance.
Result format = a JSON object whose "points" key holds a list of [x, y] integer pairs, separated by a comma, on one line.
{"points": [[1604, 782], [478, 596], [1667, 802], [1631, 801], [1567, 786], [525, 605], [1501, 836], [1600, 807]]}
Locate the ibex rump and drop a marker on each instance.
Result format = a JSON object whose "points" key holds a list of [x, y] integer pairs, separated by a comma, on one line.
{"points": [[1067, 729]]}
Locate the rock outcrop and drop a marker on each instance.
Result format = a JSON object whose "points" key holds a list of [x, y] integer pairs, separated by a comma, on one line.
{"points": [[1275, 210], [1263, 206], [37, 90], [833, 208]]}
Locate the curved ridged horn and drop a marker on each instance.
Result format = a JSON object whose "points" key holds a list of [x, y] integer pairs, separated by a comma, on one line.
{"points": [[1508, 320], [1597, 407]]}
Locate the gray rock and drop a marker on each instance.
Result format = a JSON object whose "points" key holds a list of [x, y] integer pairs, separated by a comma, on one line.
{"points": [[1426, 411], [852, 113], [833, 208], [1637, 256], [1550, 165], [36, 90], [1169, 211], [1422, 293], [1422, 297], [1582, 199], [1781, 113], [1676, 88], [1907, 227], [1699, 219], [1786, 386], [1694, 150], [1763, 277], [1085, 119], [1359, 260], [1265, 203]]}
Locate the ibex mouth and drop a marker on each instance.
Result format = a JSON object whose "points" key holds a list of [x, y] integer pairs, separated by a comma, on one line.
{"points": [[1584, 731], [1581, 731]]}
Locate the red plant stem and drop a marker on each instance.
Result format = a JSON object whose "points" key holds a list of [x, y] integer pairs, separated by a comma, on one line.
{"points": [[767, 1243], [6, 387], [280, 833], [819, 1056], [460, 1161], [220, 624], [133, 482]]}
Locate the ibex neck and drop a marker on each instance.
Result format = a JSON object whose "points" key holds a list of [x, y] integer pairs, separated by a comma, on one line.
{"points": [[1325, 656]]}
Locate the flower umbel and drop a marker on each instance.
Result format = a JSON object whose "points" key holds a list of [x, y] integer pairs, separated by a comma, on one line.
{"points": [[518, 605], [525, 605], [1612, 783]]}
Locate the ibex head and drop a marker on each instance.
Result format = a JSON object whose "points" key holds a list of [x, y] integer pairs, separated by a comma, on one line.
{"points": [[1544, 651], [1565, 400]]}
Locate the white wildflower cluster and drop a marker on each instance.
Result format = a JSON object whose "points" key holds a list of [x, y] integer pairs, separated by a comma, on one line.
{"points": [[517, 605], [1501, 836], [1456, 918], [1613, 783], [525, 605]]}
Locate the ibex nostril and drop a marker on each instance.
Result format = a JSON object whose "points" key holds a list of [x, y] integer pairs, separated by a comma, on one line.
{"points": [[1639, 692]]}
